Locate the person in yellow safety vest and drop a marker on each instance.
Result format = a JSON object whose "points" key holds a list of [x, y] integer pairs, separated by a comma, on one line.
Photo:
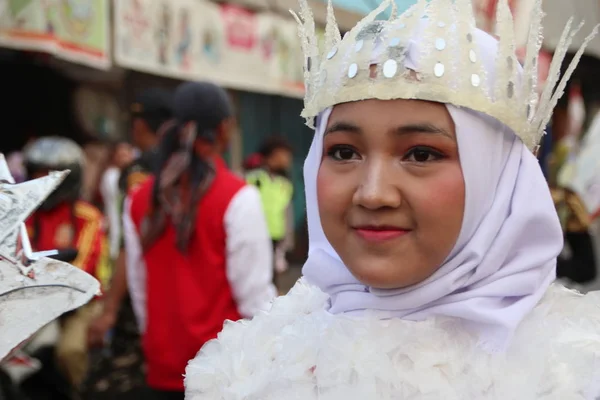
{"points": [[276, 191]]}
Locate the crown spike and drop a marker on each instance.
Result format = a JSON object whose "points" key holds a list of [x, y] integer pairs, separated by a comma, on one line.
{"points": [[530, 67], [332, 31], [506, 61], [555, 67], [567, 75], [394, 13], [310, 47], [384, 5], [470, 57]]}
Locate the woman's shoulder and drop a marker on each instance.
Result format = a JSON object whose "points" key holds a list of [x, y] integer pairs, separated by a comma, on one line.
{"points": [[560, 341], [246, 352], [298, 346], [572, 317]]}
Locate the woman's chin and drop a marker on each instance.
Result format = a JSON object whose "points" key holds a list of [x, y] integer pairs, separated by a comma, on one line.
{"points": [[383, 281]]}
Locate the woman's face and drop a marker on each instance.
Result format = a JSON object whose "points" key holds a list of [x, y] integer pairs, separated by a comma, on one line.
{"points": [[391, 190]]}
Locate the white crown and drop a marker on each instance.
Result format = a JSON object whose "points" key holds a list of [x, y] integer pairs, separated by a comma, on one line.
{"points": [[369, 63]]}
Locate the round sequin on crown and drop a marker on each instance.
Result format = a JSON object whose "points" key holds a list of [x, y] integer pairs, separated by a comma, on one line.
{"points": [[475, 80], [473, 56], [439, 70], [359, 45], [353, 70], [395, 42], [440, 44], [332, 53], [390, 68]]}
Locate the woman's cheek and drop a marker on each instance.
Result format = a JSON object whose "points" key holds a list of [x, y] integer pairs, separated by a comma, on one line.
{"points": [[334, 189], [325, 185], [444, 193]]}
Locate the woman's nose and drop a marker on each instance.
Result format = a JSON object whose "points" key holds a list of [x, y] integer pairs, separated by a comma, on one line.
{"points": [[378, 188]]}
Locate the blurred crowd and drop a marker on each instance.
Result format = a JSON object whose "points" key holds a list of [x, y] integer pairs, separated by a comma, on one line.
{"points": [[163, 262]]}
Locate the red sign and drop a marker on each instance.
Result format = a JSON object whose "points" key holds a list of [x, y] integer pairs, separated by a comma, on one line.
{"points": [[240, 26]]}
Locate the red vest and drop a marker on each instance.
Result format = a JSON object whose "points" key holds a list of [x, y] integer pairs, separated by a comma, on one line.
{"points": [[188, 296], [80, 226]]}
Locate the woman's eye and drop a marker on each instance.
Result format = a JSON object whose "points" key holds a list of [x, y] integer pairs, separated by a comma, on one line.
{"points": [[342, 153], [422, 155]]}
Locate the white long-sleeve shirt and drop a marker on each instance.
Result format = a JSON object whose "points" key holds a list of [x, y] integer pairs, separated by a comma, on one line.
{"points": [[109, 188], [249, 257]]}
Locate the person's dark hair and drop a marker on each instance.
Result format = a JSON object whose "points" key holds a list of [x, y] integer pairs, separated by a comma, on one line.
{"points": [[273, 144], [156, 121], [154, 106], [198, 111], [205, 104]]}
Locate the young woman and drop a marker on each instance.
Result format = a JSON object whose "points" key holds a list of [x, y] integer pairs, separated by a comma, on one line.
{"points": [[433, 235]]}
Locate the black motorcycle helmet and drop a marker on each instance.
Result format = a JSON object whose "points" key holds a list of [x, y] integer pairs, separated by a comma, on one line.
{"points": [[56, 153]]}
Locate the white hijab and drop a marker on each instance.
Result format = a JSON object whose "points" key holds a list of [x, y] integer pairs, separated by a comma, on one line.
{"points": [[505, 256]]}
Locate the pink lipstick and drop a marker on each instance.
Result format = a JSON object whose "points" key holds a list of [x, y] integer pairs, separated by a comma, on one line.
{"points": [[380, 233]]}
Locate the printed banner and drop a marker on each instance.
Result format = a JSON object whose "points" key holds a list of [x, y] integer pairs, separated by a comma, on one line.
{"points": [[74, 30], [202, 40]]}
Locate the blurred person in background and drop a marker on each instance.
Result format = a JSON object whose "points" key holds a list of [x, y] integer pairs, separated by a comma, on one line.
{"points": [[16, 166], [65, 222], [120, 156], [203, 237], [151, 109], [253, 161], [16, 163], [271, 176], [577, 264], [120, 371], [577, 196]]}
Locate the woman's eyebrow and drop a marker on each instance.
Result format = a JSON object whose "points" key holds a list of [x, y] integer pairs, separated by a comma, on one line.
{"points": [[412, 128], [343, 127], [422, 128]]}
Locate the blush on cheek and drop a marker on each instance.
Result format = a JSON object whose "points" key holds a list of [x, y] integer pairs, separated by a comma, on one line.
{"points": [[334, 192], [449, 191], [445, 202], [324, 187]]}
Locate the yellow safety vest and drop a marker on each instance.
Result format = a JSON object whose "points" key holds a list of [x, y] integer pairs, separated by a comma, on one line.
{"points": [[276, 194]]}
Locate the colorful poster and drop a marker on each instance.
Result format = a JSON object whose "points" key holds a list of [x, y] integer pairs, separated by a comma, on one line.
{"points": [[74, 30], [203, 40]]}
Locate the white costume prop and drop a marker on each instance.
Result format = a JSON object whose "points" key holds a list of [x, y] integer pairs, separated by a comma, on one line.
{"points": [[34, 289], [489, 323]]}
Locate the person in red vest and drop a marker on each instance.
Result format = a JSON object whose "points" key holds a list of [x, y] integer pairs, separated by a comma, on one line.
{"points": [[202, 236], [64, 222]]}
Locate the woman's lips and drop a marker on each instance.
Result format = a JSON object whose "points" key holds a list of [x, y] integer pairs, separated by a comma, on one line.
{"points": [[380, 234]]}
